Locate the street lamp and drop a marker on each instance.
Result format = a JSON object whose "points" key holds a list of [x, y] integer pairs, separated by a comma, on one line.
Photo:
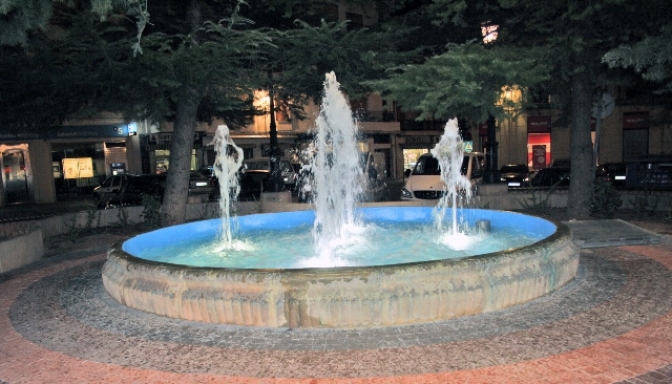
{"points": [[489, 31], [274, 152], [491, 175]]}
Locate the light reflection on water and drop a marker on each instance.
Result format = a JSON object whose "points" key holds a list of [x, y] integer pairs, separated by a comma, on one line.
{"points": [[372, 244]]}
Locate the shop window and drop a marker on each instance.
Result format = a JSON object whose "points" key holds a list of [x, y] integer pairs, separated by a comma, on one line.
{"points": [[355, 21], [538, 150], [411, 157], [328, 12]]}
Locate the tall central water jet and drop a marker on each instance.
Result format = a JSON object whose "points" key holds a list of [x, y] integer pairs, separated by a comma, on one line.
{"points": [[336, 170]]}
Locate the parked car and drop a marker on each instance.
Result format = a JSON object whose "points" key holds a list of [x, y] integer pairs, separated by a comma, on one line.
{"points": [[253, 178], [515, 175], [200, 185], [563, 162], [305, 186], [615, 173], [374, 172], [650, 172], [557, 177], [264, 164], [129, 189], [109, 187], [424, 182]]}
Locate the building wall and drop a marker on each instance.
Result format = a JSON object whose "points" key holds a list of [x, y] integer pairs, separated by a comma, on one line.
{"points": [[133, 157], [512, 138], [611, 138]]}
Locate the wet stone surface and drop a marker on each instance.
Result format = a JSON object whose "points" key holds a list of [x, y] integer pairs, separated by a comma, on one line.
{"points": [[614, 292]]}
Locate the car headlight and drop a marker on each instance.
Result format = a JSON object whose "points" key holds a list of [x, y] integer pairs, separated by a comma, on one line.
{"points": [[502, 179], [406, 193]]}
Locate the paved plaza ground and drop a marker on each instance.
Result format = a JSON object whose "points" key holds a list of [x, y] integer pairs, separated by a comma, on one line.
{"points": [[612, 324]]}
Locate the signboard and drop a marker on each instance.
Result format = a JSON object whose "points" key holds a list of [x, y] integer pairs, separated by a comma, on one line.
{"points": [[68, 132], [483, 129], [538, 156], [77, 168], [132, 129], [468, 146], [167, 137], [635, 120], [538, 124]]}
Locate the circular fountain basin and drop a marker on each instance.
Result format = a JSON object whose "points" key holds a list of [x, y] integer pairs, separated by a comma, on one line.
{"points": [[344, 297]]}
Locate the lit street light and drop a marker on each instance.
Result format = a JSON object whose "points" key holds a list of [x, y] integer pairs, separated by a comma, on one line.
{"points": [[491, 175]]}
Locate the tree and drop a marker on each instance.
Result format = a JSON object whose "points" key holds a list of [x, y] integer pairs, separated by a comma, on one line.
{"points": [[194, 64], [196, 60], [191, 68], [567, 37]]}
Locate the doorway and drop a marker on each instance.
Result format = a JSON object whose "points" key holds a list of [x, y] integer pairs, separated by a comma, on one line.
{"points": [[14, 176]]}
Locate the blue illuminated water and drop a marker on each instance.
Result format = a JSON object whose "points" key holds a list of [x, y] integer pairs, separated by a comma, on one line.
{"points": [[383, 236]]}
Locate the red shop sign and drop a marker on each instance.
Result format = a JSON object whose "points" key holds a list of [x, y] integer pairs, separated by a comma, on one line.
{"points": [[635, 120], [538, 124]]}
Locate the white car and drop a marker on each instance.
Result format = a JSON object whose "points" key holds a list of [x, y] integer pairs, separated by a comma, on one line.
{"points": [[424, 181]]}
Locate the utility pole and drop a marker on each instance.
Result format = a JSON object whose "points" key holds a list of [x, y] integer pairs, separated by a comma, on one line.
{"points": [[274, 151]]}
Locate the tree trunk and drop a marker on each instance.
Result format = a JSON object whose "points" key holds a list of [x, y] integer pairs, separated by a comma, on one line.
{"points": [[182, 143], [581, 150], [3, 200]]}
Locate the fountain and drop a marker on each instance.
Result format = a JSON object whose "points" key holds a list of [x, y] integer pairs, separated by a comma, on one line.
{"points": [[340, 266]]}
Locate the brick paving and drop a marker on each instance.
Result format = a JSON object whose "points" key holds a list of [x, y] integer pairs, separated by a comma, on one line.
{"points": [[613, 324]]}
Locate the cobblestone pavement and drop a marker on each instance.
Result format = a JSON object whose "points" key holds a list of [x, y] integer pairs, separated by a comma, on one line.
{"points": [[612, 324]]}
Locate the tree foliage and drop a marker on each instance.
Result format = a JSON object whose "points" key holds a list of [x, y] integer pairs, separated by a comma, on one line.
{"points": [[466, 81], [19, 17], [651, 57]]}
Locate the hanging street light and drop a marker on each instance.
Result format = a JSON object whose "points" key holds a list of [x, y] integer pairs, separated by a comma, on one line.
{"points": [[491, 175]]}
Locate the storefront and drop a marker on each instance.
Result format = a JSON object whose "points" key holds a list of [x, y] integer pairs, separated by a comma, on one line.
{"points": [[156, 152], [539, 153], [413, 146], [62, 162]]}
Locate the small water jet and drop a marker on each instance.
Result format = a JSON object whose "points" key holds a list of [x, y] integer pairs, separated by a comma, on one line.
{"points": [[449, 152], [367, 288], [228, 162]]}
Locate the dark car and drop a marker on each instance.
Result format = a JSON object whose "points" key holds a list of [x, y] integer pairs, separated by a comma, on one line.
{"points": [[133, 188], [200, 185], [615, 173], [252, 183], [557, 177], [515, 175]]}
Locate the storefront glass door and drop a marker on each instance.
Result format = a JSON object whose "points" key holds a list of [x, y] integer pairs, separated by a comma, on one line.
{"points": [[14, 176]]}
